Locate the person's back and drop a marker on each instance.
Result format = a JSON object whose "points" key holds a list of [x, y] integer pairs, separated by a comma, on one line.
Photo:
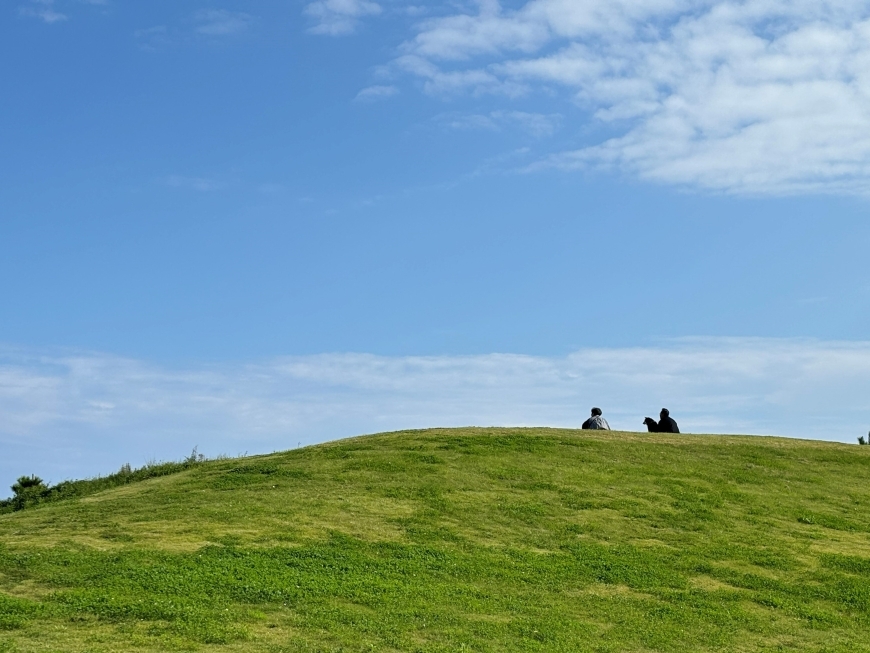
{"points": [[596, 422], [667, 424]]}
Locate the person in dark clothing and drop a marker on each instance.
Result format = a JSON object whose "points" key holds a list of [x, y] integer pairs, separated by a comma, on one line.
{"points": [[596, 421], [666, 423]]}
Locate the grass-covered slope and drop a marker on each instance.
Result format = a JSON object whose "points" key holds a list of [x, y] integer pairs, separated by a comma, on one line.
{"points": [[459, 540]]}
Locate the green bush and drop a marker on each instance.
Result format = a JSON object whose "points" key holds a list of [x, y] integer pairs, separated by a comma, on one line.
{"points": [[27, 489]]}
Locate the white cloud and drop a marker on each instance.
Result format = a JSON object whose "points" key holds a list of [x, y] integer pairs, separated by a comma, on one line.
{"points": [[339, 17], [473, 121], [378, 92], [43, 10], [82, 413], [536, 124], [411, 10], [220, 22], [753, 96]]}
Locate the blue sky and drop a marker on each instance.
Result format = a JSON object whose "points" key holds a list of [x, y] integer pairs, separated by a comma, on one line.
{"points": [[194, 188]]}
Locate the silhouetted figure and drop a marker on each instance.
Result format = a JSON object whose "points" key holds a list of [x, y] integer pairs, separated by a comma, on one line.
{"points": [[596, 421], [667, 423]]}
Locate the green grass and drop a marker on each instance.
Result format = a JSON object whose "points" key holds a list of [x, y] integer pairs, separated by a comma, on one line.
{"points": [[458, 540], [82, 488]]}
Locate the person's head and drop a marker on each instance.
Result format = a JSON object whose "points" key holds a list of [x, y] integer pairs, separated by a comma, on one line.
{"points": [[665, 412], [596, 411]]}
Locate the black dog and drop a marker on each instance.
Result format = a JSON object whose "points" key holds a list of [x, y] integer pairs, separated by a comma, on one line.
{"points": [[651, 425]]}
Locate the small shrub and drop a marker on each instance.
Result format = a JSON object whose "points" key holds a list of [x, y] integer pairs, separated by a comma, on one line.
{"points": [[861, 439], [28, 484], [194, 457], [27, 489]]}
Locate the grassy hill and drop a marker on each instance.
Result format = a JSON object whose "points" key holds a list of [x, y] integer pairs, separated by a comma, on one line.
{"points": [[458, 540]]}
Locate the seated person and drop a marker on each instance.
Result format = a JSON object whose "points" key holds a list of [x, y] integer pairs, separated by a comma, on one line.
{"points": [[596, 421], [666, 424]]}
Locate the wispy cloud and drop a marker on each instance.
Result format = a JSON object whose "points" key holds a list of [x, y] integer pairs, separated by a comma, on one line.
{"points": [[67, 414], [207, 23], [152, 38], [43, 10], [339, 17], [220, 22], [378, 92], [538, 125], [202, 184], [46, 10], [754, 97]]}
